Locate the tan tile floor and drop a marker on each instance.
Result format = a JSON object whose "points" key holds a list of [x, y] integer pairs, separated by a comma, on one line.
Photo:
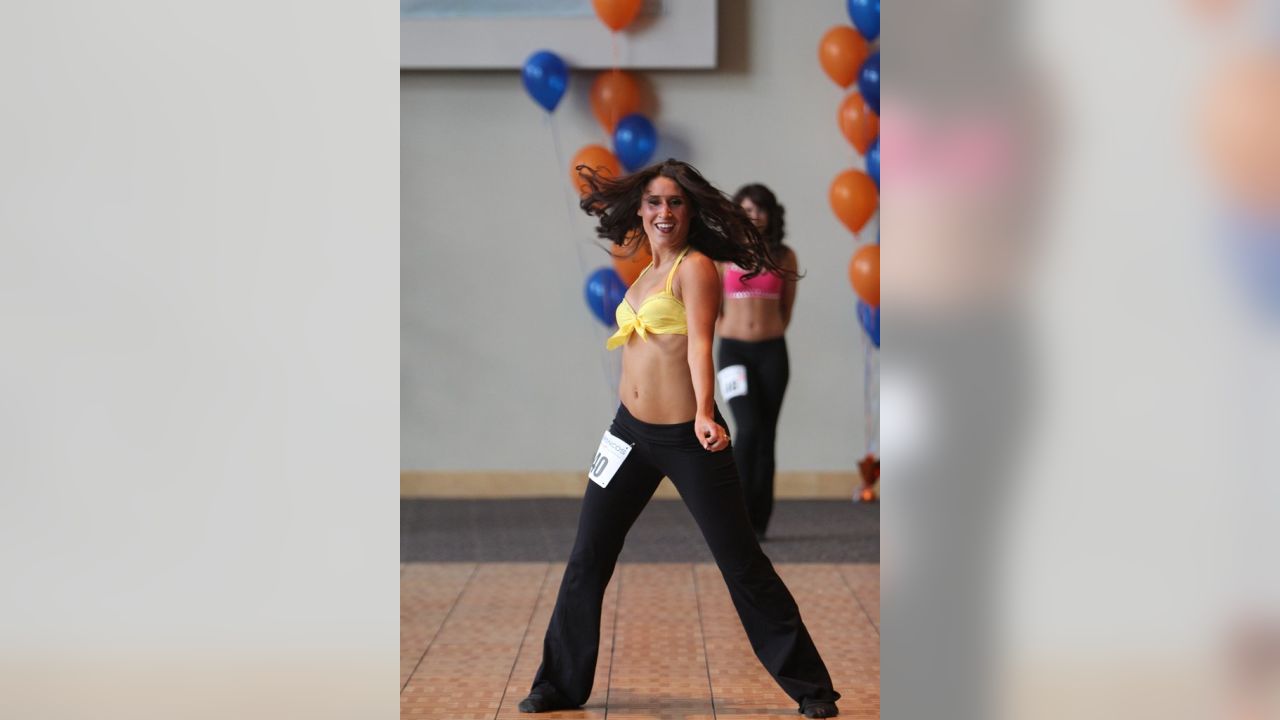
{"points": [[671, 645]]}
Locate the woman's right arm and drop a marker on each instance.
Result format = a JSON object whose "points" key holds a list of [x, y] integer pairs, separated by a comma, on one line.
{"points": [[720, 272]]}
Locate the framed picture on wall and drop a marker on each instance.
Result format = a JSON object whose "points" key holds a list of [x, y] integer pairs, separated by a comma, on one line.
{"points": [[501, 34]]}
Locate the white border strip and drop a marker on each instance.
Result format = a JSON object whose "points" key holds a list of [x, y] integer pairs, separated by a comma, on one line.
{"points": [[684, 36]]}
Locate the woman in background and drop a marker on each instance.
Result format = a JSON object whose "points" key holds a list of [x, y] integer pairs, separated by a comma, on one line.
{"points": [[753, 351]]}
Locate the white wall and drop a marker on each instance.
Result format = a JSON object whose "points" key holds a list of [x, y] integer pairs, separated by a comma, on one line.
{"points": [[502, 366]]}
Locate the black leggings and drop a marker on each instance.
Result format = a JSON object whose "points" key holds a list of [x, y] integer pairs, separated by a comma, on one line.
{"points": [[755, 415], [708, 484]]}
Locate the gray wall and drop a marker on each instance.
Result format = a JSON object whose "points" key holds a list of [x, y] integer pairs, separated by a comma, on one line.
{"points": [[502, 366]]}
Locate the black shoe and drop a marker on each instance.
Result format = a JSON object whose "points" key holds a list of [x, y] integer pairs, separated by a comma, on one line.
{"points": [[545, 699], [818, 709]]}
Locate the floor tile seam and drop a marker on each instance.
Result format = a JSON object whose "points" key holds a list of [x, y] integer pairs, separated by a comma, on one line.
{"points": [[474, 571], [533, 611]]}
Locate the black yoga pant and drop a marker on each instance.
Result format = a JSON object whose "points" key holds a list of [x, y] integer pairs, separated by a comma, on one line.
{"points": [[755, 415], [708, 484]]}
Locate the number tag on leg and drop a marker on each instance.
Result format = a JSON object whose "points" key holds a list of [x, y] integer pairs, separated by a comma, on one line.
{"points": [[733, 381], [613, 450]]}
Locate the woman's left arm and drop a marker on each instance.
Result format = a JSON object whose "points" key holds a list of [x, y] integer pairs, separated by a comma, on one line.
{"points": [[700, 285], [788, 289]]}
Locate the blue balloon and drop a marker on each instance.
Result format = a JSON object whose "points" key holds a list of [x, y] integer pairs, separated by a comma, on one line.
{"points": [[865, 14], [873, 161], [1253, 247], [634, 141], [869, 81], [546, 77], [869, 319], [604, 290]]}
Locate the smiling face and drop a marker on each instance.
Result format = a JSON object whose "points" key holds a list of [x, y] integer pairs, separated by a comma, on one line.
{"points": [[664, 209], [758, 215]]}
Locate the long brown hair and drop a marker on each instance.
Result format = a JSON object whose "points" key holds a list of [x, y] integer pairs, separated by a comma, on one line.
{"points": [[719, 229], [775, 227]]}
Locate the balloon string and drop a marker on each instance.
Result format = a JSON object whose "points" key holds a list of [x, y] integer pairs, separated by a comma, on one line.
{"points": [[866, 380], [616, 365], [560, 163], [871, 394], [611, 384]]}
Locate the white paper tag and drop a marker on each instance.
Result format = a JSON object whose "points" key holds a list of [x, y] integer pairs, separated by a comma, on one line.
{"points": [[733, 381], [613, 450]]}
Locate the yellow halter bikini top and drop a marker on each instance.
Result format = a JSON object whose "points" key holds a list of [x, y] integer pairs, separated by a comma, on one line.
{"points": [[660, 313]]}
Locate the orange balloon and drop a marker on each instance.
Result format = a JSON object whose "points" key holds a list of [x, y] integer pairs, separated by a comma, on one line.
{"points": [[864, 274], [617, 14], [841, 52], [629, 268], [858, 122], [593, 156], [614, 95], [1239, 121], [854, 199]]}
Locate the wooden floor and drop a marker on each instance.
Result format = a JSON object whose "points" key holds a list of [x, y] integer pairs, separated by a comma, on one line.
{"points": [[671, 645]]}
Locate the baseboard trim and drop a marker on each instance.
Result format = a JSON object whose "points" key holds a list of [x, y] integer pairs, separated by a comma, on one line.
{"points": [[475, 485]]}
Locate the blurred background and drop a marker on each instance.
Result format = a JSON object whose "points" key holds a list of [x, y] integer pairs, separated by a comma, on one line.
{"points": [[1079, 227]]}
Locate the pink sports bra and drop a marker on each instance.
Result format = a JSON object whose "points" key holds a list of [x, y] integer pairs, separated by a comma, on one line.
{"points": [[765, 285]]}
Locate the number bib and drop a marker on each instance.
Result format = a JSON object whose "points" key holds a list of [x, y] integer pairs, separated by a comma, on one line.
{"points": [[612, 451], [733, 381]]}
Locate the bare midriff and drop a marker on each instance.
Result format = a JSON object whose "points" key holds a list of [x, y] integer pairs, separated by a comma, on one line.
{"points": [[751, 319], [656, 385]]}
